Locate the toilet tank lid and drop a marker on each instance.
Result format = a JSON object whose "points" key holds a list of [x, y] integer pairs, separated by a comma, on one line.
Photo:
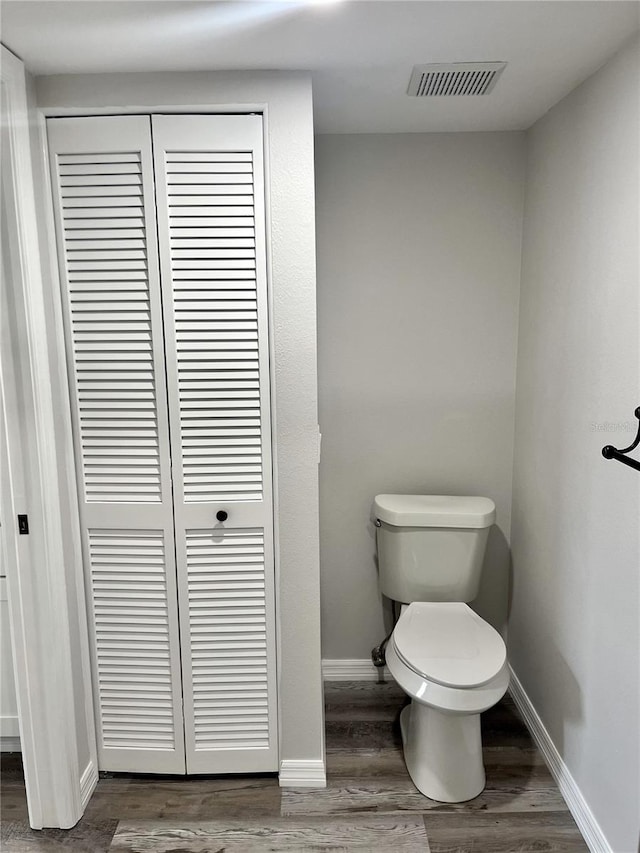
{"points": [[434, 511]]}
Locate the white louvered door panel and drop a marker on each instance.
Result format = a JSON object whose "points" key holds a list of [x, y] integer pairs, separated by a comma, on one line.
{"points": [[102, 179], [211, 228]]}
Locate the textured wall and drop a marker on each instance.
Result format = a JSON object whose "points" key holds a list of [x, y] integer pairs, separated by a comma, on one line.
{"points": [[573, 634], [418, 277]]}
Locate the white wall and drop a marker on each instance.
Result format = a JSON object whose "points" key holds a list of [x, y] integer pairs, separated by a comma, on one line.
{"points": [[418, 276], [573, 634], [286, 99]]}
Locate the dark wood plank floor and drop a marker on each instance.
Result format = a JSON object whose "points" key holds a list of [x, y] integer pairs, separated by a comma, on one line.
{"points": [[369, 804]]}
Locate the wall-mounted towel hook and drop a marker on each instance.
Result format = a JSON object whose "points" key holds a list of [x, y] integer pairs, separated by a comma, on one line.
{"points": [[610, 452]]}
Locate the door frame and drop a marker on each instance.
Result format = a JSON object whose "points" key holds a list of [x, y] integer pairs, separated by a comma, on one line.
{"points": [[58, 341], [45, 648]]}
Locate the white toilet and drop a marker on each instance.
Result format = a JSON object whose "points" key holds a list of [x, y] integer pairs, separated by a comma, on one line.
{"points": [[450, 662]]}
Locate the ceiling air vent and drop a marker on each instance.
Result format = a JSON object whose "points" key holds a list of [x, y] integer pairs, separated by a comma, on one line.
{"points": [[454, 78]]}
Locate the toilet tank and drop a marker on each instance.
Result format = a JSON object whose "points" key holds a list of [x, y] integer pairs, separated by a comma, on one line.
{"points": [[431, 547]]}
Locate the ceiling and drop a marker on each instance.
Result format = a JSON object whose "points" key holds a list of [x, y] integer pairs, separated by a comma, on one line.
{"points": [[360, 53]]}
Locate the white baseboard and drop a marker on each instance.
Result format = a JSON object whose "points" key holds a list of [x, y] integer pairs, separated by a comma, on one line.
{"points": [[303, 774], [578, 806], [88, 782], [9, 726], [357, 669], [10, 744]]}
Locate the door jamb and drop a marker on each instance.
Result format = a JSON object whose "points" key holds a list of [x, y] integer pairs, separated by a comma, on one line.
{"points": [[45, 651]]}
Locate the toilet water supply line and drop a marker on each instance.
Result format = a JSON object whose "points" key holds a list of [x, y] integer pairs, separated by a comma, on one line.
{"points": [[378, 655]]}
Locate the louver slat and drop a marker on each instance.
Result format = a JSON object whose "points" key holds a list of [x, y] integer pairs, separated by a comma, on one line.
{"points": [[228, 651], [136, 674], [454, 79], [217, 296], [108, 292]]}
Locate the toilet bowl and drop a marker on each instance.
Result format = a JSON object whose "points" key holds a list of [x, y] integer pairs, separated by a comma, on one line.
{"points": [[452, 664]]}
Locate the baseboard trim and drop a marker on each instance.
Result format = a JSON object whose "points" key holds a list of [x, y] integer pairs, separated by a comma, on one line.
{"points": [[9, 726], [356, 669], [88, 782], [303, 774], [10, 744], [578, 806]]}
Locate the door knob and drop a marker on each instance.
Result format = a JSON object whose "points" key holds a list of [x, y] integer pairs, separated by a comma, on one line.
{"points": [[222, 515]]}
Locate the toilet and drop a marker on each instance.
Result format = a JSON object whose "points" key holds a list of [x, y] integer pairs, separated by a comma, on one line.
{"points": [[449, 661]]}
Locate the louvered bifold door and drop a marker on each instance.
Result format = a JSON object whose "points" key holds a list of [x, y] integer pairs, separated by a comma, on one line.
{"points": [[102, 179], [210, 204]]}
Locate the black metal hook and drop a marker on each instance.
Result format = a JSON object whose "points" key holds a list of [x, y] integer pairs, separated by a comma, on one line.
{"points": [[610, 452]]}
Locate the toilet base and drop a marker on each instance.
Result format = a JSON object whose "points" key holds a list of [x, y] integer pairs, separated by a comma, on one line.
{"points": [[443, 753]]}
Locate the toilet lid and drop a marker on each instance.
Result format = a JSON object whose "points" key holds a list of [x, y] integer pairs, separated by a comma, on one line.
{"points": [[448, 643]]}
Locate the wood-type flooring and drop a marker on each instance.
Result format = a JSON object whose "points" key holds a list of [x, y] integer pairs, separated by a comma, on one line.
{"points": [[369, 804]]}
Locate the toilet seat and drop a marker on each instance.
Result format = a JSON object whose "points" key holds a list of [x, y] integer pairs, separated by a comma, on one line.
{"points": [[448, 644]]}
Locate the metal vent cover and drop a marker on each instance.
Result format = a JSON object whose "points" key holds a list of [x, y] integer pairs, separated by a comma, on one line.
{"points": [[454, 78]]}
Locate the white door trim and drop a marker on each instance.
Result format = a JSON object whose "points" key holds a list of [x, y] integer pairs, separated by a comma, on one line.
{"points": [[37, 572]]}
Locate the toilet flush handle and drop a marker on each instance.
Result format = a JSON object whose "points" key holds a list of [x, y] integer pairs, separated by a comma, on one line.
{"points": [[378, 523]]}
